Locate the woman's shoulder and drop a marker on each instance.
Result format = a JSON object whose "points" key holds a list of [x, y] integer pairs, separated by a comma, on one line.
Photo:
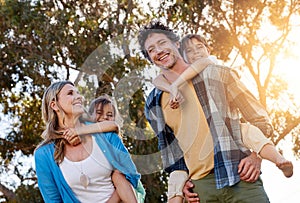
{"points": [[45, 148]]}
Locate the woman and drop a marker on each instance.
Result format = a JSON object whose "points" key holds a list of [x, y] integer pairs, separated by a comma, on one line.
{"points": [[80, 173]]}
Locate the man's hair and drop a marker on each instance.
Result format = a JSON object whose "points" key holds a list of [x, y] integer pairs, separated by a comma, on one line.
{"points": [[155, 27]]}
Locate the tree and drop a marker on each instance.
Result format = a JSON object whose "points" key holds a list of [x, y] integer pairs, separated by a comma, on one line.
{"points": [[241, 23], [45, 41]]}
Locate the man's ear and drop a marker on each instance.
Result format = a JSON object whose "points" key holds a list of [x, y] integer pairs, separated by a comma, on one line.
{"points": [[177, 44], [54, 106]]}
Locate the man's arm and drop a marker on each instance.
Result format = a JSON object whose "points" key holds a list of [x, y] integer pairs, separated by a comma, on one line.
{"points": [[251, 109], [253, 112]]}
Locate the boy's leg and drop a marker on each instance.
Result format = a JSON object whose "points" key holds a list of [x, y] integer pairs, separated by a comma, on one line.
{"points": [[254, 139], [123, 188], [270, 153]]}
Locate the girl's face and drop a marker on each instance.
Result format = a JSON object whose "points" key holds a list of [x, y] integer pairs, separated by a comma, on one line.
{"points": [[69, 101], [194, 50], [104, 112]]}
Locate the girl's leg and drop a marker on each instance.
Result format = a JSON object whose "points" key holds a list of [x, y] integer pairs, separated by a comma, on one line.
{"points": [[123, 188]]}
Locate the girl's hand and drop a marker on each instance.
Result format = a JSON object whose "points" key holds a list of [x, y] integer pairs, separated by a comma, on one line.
{"points": [[71, 136]]}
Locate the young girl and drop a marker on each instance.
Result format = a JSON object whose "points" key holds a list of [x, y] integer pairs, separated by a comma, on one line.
{"points": [[103, 110], [194, 50], [80, 173]]}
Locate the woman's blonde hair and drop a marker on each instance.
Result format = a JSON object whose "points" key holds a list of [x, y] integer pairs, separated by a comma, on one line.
{"points": [[50, 117]]}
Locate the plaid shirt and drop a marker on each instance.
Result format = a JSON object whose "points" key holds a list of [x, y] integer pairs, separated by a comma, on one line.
{"points": [[222, 97]]}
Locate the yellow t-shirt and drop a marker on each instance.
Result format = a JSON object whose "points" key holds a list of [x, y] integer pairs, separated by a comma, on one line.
{"points": [[190, 128]]}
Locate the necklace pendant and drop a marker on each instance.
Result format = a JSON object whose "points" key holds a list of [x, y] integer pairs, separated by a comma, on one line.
{"points": [[84, 180]]}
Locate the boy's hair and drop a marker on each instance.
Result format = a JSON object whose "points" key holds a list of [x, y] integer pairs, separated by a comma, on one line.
{"points": [[185, 40], [155, 27]]}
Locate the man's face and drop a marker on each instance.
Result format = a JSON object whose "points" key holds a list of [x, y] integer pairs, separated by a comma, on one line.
{"points": [[161, 50]]}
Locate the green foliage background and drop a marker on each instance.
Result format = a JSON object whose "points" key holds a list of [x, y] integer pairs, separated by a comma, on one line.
{"points": [[45, 41]]}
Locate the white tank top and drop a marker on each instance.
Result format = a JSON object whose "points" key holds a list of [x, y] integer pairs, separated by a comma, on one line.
{"points": [[98, 170]]}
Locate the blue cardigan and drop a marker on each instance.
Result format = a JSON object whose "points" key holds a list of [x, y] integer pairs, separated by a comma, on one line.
{"points": [[52, 183]]}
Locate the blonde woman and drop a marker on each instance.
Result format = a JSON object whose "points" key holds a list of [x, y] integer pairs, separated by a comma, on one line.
{"points": [[80, 173]]}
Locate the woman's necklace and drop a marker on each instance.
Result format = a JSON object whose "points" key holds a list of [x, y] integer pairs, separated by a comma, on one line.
{"points": [[83, 179]]}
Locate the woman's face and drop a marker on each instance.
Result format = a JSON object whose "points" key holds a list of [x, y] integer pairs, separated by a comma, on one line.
{"points": [[194, 50], [104, 112], [70, 101]]}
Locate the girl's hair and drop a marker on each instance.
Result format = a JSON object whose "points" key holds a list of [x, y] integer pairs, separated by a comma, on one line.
{"points": [[104, 100], [185, 41], [50, 117]]}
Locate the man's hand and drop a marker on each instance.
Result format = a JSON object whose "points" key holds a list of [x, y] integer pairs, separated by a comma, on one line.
{"points": [[189, 195], [249, 168]]}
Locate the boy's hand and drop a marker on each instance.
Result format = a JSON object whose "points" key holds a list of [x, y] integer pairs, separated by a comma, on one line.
{"points": [[176, 97], [72, 137]]}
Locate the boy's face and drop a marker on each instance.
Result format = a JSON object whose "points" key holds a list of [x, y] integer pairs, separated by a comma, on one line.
{"points": [[194, 50], [161, 50], [104, 113]]}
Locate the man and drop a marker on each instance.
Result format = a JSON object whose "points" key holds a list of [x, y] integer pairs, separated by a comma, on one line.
{"points": [[208, 141]]}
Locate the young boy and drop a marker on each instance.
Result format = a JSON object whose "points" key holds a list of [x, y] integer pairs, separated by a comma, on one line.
{"points": [[195, 51]]}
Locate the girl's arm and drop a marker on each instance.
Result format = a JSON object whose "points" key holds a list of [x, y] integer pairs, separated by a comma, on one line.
{"points": [[71, 134]]}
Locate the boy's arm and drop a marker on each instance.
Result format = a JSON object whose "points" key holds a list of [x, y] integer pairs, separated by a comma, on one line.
{"points": [[193, 70], [161, 83]]}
